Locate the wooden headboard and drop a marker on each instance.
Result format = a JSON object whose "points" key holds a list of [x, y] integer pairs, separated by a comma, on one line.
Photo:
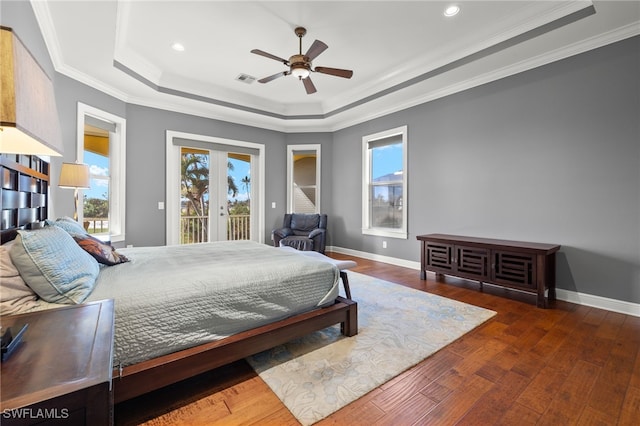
{"points": [[24, 190]]}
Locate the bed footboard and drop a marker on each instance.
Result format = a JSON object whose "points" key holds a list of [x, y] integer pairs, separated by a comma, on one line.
{"points": [[147, 376]]}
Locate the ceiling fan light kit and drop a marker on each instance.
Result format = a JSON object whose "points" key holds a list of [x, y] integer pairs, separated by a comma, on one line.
{"points": [[300, 65], [299, 68]]}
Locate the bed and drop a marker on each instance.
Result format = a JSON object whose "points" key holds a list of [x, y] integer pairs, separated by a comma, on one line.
{"points": [[183, 310]]}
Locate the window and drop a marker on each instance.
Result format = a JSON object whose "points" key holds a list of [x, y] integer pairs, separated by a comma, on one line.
{"points": [[384, 203], [101, 145], [303, 178]]}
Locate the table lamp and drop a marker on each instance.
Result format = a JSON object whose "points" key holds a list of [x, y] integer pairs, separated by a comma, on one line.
{"points": [[76, 176]]}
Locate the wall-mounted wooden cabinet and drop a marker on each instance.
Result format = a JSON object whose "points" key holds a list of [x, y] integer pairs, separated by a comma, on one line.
{"points": [[524, 266]]}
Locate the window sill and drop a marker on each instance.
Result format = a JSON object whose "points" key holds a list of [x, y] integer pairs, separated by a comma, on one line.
{"points": [[117, 238], [389, 233]]}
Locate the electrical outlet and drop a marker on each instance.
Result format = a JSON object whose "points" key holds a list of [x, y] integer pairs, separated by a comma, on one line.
{"points": [[273, 205], [384, 244]]}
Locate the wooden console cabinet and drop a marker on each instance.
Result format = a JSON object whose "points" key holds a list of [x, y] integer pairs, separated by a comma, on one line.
{"points": [[524, 266], [61, 372]]}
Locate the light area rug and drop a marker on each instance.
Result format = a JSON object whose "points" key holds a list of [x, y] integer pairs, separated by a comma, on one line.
{"points": [[398, 327]]}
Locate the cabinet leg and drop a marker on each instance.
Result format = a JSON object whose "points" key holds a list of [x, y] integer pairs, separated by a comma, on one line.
{"points": [[481, 287], [542, 301], [423, 274]]}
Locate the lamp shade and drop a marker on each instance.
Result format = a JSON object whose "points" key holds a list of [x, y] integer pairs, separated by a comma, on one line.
{"points": [[28, 115], [74, 175]]}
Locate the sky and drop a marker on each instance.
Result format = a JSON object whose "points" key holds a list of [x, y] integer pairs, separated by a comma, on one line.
{"points": [[240, 170], [98, 165], [388, 160]]}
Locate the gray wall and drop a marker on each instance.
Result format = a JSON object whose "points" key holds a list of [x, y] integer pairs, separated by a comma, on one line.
{"points": [[325, 140], [549, 155], [146, 161], [68, 93], [145, 224]]}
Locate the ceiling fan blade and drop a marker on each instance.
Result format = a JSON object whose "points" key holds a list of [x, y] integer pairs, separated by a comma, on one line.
{"points": [[270, 56], [308, 85], [335, 71], [316, 49], [273, 77]]}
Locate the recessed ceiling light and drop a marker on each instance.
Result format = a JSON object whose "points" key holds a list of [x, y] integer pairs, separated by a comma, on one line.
{"points": [[451, 10], [178, 46]]}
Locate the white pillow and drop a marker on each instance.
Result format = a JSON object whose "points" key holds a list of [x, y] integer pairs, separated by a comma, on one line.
{"points": [[54, 265], [15, 295], [68, 224]]}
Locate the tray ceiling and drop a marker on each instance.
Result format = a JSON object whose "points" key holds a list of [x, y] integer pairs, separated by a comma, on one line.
{"points": [[402, 53]]}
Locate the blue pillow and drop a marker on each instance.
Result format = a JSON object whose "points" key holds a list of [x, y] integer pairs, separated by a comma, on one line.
{"points": [[68, 224], [55, 267]]}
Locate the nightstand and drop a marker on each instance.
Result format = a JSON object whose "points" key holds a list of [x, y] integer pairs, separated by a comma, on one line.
{"points": [[62, 371]]}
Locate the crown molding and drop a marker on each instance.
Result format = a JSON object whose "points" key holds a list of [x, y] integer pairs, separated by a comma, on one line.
{"points": [[577, 48], [384, 102]]}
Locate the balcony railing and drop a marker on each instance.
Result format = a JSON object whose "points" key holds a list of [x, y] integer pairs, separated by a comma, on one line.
{"points": [[238, 227], [195, 228], [96, 225]]}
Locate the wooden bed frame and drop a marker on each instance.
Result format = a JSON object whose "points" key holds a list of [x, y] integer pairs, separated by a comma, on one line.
{"points": [[24, 185]]}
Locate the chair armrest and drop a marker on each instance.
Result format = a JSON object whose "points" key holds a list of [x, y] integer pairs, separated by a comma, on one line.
{"points": [[318, 236], [283, 232], [317, 232]]}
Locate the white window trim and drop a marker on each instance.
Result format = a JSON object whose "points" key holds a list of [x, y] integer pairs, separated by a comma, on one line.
{"points": [[117, 167], [366, 173], [290, 150], [173, 189]]}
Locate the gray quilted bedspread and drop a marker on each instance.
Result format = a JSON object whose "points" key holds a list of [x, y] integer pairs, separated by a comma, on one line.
{"points": [[174, 297]]}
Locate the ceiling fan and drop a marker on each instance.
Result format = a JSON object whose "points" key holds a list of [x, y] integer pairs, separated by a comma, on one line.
{"points": [[300, 65]]}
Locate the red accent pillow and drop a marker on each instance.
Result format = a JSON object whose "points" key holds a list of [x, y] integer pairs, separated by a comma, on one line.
{"points": [[104, 253]]}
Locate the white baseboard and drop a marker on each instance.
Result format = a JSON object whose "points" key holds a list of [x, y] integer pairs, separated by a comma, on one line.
{"points": [[599, 302], [377, 257]]}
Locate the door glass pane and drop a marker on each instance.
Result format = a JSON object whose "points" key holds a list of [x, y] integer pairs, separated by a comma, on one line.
{"points": [[239, 196], [304, 182], [194, 195]]}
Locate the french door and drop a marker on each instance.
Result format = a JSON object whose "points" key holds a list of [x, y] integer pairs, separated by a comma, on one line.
{"points": [[213, 190], [204, 209]]}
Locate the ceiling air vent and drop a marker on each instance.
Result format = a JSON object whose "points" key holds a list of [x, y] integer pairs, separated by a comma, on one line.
{"points": [[245, 78]]}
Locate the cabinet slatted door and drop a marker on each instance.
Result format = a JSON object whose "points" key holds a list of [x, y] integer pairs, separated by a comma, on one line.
{"points": [[525, 266], [514, 269], [439, 257], [472, 262]]}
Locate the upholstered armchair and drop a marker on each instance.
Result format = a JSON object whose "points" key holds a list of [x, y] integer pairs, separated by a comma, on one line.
{"points": [[302, 231]]}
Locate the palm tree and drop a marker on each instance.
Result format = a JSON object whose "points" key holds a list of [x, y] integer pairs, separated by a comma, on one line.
{"points": [[232, 188], [195, 186], [246, 181]]}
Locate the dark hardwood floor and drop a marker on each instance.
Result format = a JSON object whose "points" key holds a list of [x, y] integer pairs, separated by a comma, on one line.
{"points": [[570, 364]]}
